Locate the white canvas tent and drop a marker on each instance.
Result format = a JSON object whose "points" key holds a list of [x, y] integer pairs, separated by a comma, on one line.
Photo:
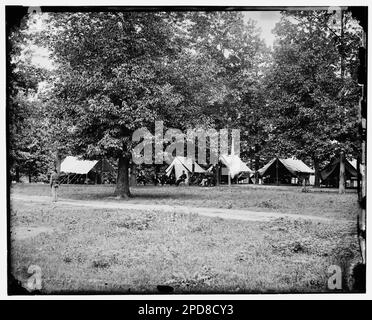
{"points": [[74, 165], [74, 168], [294, 166], [283, 169], [234, 165], [180, 164]]}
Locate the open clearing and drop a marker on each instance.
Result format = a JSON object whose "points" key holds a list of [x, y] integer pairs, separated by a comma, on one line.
{"points": [[288, 200], [123, 250], [235, 214]]}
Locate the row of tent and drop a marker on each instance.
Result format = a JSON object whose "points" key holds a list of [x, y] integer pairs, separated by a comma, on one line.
{"points": [[276, 171], [233, 166], [73, 169], [183, 164]]}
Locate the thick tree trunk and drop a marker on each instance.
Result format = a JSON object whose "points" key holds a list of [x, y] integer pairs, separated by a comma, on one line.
{"points": [[122, 182], [256, 168], [317, 173], [17, 174], [218, 174], [341, 184], [58, 162], [29, 178], [133, 175]]}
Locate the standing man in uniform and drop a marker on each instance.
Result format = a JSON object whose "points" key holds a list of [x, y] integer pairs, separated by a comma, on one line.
{"points": [[54, 184]]}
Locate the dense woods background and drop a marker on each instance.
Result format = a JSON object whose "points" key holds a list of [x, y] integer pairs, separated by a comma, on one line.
{"points": [[114, 72]]}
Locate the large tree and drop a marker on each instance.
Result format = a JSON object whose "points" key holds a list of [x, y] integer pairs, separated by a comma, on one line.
{"points": [[229, 59], [119, 71], [110, 79], [313, 96]]}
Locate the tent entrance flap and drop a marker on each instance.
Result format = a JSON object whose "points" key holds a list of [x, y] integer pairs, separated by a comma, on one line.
{"points": [[278, 173], [180, 164]]}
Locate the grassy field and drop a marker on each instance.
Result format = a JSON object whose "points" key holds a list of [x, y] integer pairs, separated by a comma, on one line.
{"points": [[250, 197], [122, 251]]}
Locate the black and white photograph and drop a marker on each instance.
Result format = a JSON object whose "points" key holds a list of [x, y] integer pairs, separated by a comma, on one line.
{"points": [[186, 150]]}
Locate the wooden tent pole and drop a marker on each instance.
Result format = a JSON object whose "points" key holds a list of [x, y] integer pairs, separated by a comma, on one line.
{"points": [[101, 173], [277, 168]]}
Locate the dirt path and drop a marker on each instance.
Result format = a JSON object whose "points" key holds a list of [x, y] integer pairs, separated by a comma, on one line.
{"points": [[234, 214]]}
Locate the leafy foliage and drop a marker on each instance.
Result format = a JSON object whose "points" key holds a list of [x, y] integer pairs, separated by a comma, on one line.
{"points": [[312, 107], [29, 152], [119, 71]]}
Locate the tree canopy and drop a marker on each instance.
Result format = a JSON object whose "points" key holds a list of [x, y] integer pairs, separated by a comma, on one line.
{"points": [[312, 106], [117, 71]]}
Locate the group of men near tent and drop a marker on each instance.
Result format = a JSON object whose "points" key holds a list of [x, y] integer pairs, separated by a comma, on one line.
{"points": [[181, 167], [185, 169]]}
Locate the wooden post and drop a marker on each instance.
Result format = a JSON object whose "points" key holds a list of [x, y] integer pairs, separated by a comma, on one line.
{"points": [[101, 172], [228, 177]]}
